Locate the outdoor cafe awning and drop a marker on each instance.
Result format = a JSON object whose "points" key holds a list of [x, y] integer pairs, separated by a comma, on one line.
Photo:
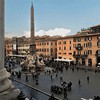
{"points": [[63, 60]]}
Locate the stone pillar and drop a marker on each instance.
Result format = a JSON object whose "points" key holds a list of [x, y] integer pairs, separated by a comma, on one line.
{"points": [[7, 90], [1, 34]]}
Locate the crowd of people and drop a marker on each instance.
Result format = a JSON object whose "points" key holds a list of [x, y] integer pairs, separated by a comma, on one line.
{"points": [[57, 68]]}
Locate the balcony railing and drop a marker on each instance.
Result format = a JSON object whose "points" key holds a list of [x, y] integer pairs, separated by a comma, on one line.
{"points": [[80, 56], [79, 48]]}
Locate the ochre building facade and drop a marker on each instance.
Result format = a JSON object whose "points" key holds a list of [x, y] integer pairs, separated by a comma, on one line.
{"points": [[83, 48]]}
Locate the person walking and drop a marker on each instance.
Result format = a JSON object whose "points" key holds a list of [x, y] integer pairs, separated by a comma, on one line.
{"points": [[65, 94], [52, 97], [88, 79], [26, 78], [37, 82], [51, 77], [79, 82]]}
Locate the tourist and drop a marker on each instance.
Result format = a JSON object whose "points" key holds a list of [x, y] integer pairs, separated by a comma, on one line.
{"points": [[49, 72], [77, 68], [79, 82], [95, 71], [37, 82], [72, 69], [61, 78], [52, 97], [56, 74], [88, 79], [51, 77], [33, 76], [26, 78], [65, 94]]}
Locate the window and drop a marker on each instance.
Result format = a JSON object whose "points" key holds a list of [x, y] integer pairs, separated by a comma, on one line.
{"points": [[51, 50], [79, 39], [59, 48], [44, 43], [74, 52], [74, 45], [74, 39], [90, 38], [59, 42], [89, 44], [60, 57], [85, 44], [47, 43], [89, 52], [55, 49], [98, 37], [64, 42], [98, 52], [86, 38], [64, 48], [79, 52], [79, 45], [98, 44], [70, 53], [85, 52], [93, 30], [51, 43], [47, 50]]}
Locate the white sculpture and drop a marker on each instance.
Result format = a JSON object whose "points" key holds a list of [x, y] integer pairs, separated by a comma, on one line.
{"points": [[33, 61]]}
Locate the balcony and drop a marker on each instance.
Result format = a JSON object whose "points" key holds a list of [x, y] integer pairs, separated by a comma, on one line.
{"points": [[76, 56], [80, 56], [79, 48]]}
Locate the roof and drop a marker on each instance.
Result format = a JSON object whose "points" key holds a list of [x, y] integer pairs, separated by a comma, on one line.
{"points": [[96, 26]]}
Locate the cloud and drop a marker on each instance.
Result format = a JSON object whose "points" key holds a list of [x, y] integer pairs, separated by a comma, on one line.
{"points": [[10, 35], [51, 32]]}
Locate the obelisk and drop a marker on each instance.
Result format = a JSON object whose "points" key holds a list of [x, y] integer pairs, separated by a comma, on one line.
{"points": [[7, 90], [32, 35]]}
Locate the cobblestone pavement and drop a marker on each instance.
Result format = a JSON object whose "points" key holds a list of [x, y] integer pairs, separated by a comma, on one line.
{"points": [[86, 90]]}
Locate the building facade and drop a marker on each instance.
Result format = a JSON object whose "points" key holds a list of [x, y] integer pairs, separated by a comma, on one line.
{"points": [[83, 48], [8, 46], [47, 47]]}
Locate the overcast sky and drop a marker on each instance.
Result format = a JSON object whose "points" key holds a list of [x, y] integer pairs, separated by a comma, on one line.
{"points": [[58, 17]]}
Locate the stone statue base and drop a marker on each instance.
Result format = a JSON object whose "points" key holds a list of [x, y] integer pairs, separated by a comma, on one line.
{"points": [[7, 90]]}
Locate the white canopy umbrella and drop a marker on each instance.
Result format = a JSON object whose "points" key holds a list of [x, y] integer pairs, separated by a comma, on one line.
{"points": [[64, 60]]}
